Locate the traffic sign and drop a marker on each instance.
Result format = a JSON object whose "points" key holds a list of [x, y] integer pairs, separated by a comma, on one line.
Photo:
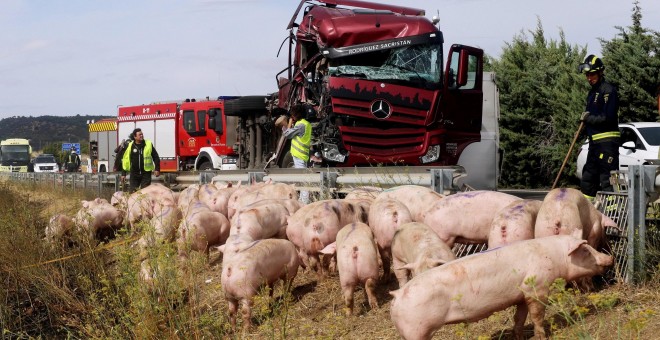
{"points": [[68, 146]]}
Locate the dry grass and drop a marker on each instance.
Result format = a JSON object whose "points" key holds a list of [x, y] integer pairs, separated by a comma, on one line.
{"points": [[99, 295]]}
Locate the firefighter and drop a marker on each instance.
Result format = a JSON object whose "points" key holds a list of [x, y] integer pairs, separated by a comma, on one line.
{"points": [[299, 130], [73, 162], [140, 159], [602, 127]]}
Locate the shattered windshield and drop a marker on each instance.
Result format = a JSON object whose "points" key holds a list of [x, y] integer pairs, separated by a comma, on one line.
{"points": [[417, 64]]}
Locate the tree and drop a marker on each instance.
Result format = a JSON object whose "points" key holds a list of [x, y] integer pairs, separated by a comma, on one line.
{"points": [[541, 98], [632, 61]]}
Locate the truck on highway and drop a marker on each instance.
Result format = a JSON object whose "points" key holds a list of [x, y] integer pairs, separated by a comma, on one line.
{"points": [[15, 154], [374, 84]]}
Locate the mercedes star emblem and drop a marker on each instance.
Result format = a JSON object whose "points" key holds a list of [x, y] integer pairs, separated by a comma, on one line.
{"points": [[381, 109]]}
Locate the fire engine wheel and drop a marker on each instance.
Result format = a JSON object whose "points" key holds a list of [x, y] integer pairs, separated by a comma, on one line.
{"points": [[205, 166], [246, 105]]}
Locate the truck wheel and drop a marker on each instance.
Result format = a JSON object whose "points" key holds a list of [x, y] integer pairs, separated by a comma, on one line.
{"points": [[287, 160], [205, 166], [245, 106], [102, 168]]}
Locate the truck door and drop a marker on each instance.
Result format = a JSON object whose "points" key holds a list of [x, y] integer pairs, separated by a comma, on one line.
{"points": [[461, 107]]}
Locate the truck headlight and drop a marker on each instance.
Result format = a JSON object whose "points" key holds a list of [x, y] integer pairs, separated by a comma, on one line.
{"points": [[432, 154], [229, 160], [331, 153]]}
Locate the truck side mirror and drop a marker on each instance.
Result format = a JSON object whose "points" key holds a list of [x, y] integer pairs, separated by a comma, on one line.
{"points": [[463, 63]]}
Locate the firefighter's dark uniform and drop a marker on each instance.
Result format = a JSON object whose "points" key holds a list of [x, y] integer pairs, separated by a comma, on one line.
{"points": [[602, 128]]}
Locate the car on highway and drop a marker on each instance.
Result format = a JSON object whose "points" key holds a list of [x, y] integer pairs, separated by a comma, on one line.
{"points": [[640, 142], [45, 163]]}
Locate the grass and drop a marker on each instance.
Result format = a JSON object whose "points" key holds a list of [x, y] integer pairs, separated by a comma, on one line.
{"points": [[99, 294]]}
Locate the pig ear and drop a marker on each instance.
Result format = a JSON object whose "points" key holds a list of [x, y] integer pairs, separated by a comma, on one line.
{"points": [[575, 245], [221, 248], [330, 249]]}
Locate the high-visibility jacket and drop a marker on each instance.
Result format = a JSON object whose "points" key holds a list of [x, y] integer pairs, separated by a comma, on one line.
{"points": [[147, 159], [300, 144]]}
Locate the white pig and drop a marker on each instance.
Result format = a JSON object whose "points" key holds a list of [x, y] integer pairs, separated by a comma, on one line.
{"points": [[248, 265], [472, 288], [515, 222], [465, 217], [357, 262], [416, 198], [417, 248], [386, 216]]}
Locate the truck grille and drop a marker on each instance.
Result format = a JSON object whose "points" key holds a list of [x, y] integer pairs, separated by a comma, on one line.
{"points": [[383, 142], [360, 109]]}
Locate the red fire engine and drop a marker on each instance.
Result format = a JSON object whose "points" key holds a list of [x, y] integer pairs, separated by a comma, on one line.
{"points": [[187, 134]]}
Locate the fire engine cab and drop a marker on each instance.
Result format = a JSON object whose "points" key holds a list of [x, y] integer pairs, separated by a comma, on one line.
{"points": [[189, 134]]}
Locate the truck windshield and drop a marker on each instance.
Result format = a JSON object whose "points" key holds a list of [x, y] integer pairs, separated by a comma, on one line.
{"points": [[416, 64], [15, 153]]}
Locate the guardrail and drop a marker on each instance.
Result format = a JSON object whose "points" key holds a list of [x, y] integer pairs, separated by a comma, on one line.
{"points": [[330, 181]]}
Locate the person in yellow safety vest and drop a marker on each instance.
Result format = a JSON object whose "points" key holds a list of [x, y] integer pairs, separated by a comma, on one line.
{"points": [[601, 121], [299, 130], [140, 159]]}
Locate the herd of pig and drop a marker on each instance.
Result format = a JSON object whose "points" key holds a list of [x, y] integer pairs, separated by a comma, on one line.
{"points": [[265, 234]]}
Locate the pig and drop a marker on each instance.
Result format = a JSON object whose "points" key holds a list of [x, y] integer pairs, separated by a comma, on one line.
{"points": [[515, 222], [232, 202], [416, 198], [248, 264], [219, 200], [143, 204], [261, 221], [316, 225], [98, 218], [465, 217], [473, 287], [417, 248], [276, 190], [187, 197], [365, 192], [58, 229], [200, 229], [386, 216], [357, 262], [566, 211]]}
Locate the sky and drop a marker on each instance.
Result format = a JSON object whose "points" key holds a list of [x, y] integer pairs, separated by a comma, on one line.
{"points": [[87, 57]]}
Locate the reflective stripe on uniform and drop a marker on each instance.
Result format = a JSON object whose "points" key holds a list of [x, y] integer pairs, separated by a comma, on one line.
{"points": [[300, 144], [611, 134]]}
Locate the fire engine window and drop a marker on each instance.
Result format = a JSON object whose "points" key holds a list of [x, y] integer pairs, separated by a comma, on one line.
{"points": [[215, 120], [189, 121], [201, 118]]}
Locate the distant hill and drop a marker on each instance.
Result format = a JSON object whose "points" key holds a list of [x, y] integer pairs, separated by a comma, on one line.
{"points": [[44, 130]]}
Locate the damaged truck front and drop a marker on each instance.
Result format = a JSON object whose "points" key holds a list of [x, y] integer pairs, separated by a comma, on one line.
{"points": [[372, 81]]}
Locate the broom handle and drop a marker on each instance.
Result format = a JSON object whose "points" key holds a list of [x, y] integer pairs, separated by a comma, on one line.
{"points": [[568, 154]]}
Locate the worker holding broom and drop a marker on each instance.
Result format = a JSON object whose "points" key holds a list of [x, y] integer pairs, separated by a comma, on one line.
{"points": [[602, 128]]}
